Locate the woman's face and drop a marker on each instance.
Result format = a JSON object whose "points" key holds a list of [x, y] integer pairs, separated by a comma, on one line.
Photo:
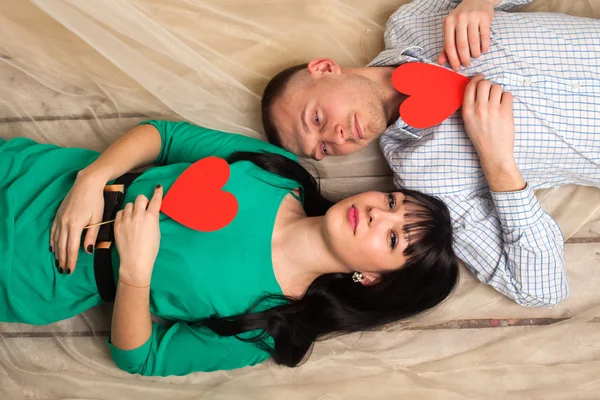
{"points": [[366, 232]]}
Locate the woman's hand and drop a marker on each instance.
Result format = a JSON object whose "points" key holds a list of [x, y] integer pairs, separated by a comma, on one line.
{"points": [[83, 206], [138, 238], [467, 32]]}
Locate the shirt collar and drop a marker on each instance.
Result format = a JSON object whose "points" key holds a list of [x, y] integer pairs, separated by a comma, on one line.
{"points": [[397, 56], [393, 57]]}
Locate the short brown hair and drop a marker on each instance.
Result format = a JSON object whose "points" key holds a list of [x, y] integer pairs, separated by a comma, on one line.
{"points": [[272, 92]]}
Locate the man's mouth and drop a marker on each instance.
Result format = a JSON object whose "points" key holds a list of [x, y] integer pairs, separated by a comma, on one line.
{"points": [[358, 129], [353, 218]]}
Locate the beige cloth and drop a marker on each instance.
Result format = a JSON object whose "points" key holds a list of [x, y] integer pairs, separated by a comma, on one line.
{"points": [[79, 73]]}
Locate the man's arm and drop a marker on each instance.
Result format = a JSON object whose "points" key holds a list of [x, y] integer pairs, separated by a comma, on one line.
{"points": [[507, 240], [510, 243]]}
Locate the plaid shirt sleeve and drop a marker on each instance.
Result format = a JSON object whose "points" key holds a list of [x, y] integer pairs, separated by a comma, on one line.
{"points": [[509, 242], [434, 6], [508, 4]]}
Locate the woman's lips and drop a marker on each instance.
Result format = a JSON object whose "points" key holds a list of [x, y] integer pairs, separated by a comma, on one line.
{"points": [[359, 131], [353, 218]]}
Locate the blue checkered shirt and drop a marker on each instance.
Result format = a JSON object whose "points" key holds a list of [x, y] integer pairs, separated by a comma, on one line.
{"points": [[549, 62]]}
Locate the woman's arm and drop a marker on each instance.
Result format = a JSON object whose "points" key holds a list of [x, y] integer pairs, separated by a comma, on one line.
{"points": [[137, 235], [84, 203], [137, 148]]}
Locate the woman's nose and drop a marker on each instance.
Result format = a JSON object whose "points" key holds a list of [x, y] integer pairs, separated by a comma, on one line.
{"points": [[378, 216], [374, 215]]}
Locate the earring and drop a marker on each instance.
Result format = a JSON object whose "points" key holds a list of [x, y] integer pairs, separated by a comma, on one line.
{"points": [[357, 277]]}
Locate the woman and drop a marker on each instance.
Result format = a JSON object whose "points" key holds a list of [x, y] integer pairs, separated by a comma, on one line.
{"points": [[290, 268]]}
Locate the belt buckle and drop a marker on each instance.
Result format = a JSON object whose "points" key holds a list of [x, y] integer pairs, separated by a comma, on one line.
{"points": [[114, 188], [105, 231], [103, 245]]}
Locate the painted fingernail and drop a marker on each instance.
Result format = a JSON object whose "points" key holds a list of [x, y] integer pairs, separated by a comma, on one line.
{"points": [[158, 186], [90, 248], [50, 249], [69, 271]]}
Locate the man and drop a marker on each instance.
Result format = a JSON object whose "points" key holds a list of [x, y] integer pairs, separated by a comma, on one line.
{"points": [[486, 161]]}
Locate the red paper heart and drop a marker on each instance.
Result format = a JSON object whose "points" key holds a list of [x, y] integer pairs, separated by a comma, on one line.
{"points": [[435, 93], [196, 200]]}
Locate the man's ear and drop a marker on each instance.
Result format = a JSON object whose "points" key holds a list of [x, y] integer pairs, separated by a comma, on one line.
{"points": [[370, 278], [323, 66]]}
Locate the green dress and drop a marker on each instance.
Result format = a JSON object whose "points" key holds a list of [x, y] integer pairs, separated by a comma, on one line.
{"points": [[196, 275]]}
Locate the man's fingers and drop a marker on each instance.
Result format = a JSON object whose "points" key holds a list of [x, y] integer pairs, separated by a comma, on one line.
{"points": [[484, 34], [507, 100], [462, 44], [156, 201], [471, 90], [483, 91], [449, 44], [473, 35], [496, 94], [443, 58]]}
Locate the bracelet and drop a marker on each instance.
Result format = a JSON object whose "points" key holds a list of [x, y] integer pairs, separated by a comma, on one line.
{"points": [[133, 286]]}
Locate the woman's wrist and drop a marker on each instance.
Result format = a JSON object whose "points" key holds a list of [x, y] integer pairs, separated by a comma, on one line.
{"points": [[134, 276], [94, 175]]}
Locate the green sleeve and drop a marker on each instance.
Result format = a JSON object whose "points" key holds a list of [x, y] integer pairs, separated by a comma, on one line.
{"points": [[182, 142], [181, 349]]}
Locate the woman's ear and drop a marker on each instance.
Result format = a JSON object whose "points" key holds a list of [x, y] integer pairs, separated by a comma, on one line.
{"points": [[323, 66], [370, 278]]}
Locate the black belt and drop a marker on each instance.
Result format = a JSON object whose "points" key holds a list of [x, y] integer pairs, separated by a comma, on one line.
{"points": [[103, 269]]}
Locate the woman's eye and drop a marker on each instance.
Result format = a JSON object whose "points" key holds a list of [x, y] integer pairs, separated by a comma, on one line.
{"points": [[391, 201], [393, 240], [324, 148], [317, 120]]}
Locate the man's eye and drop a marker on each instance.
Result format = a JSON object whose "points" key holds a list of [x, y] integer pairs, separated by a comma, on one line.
{"points": [[391, 201]]}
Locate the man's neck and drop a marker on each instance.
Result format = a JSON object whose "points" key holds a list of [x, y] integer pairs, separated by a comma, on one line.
{"points": [[382, 76]]}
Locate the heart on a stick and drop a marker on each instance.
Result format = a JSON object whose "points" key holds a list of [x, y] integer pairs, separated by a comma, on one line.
{"points": [[435, 93], [196, 199]]}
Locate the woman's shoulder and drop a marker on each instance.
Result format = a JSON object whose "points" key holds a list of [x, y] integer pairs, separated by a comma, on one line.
{"points": [[227, 142]]}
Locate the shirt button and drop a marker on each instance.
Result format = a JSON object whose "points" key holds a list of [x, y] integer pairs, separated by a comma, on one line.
{"points": [[576, 85], [527, 82]]}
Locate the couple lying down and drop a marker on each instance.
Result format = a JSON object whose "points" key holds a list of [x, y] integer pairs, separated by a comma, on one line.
{"points": [[292, 266]]}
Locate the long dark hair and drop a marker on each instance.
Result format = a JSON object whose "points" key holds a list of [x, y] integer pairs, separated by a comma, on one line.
{"points": [[333, 302]]}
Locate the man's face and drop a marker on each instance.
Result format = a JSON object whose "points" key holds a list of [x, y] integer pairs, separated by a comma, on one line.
{"points": [[329, 113]]}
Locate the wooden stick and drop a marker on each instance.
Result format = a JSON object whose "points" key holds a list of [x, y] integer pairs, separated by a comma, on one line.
{"points": [[99, 223]]}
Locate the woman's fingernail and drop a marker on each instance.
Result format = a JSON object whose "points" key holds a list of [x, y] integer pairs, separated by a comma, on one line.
{"points": [[60, 271], [90, 248], [50, 249], [69, 271], [158, 186]]}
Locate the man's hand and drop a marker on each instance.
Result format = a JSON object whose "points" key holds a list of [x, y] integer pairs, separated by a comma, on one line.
{"points": [[467, 32], [489, 122]]}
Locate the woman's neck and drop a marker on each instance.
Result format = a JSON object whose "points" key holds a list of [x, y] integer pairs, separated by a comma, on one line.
{"points": [[300, 254]]}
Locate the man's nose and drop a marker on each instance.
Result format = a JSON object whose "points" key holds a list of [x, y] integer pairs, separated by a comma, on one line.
{"points": [[338, 135]]}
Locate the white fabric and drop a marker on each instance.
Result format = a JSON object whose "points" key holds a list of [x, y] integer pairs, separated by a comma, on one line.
{"points": [[80, 73]]}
